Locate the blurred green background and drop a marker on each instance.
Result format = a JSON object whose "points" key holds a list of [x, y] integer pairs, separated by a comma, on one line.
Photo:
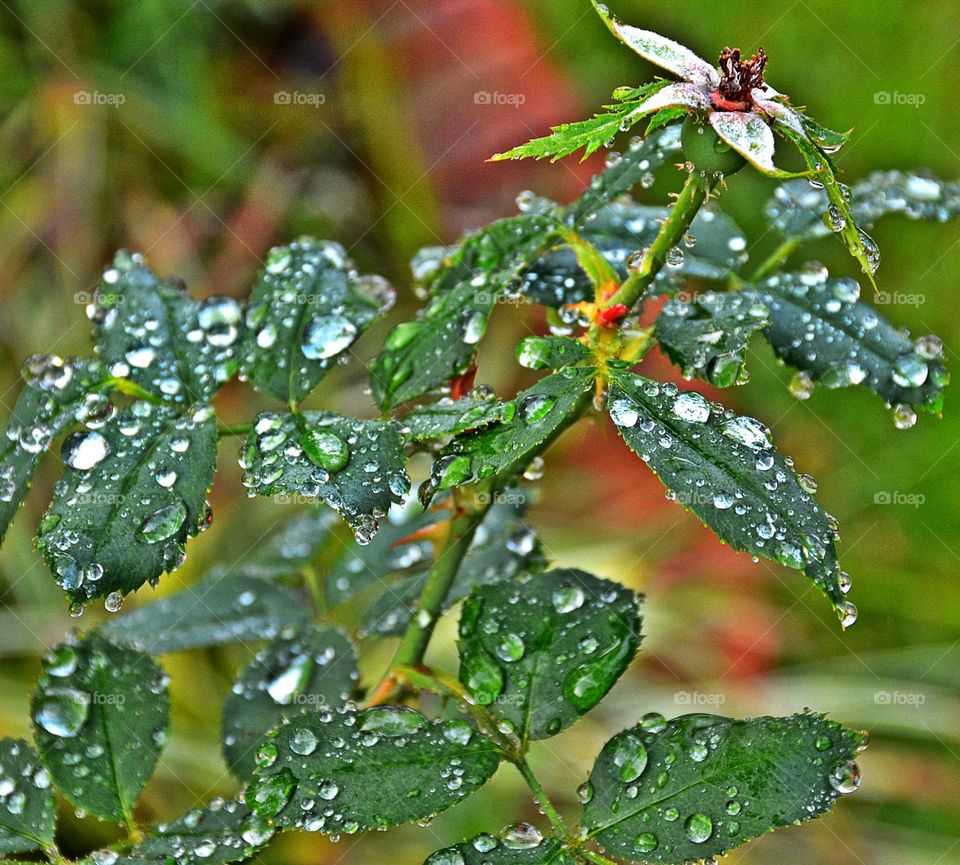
{"points": [[203, 132]]}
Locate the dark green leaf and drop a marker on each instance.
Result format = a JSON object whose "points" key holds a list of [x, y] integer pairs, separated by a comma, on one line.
{"points": [[223, 608], [820, 326], [134, 489], [355, 466], [505, 449], [520, 844], [723, 467], [542, 652], [58, 393], [797, 209], [28, 812], [708, 337], [448, 417], [307, 307], [312, 670], [551, 352], [382, 767], [420, 356], [101, 714], [223, 831], [700, 785], [503, 549], [151, 331], [592, 134]]}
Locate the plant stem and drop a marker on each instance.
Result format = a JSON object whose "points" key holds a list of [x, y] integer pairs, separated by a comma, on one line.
{"points": [[776, 258], [687, 206], [236, 429], [541, 797], [312, 582], [440, 578], [590, 856]]}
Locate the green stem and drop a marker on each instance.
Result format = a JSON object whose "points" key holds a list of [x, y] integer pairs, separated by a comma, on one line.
{"points": [[776, 258], [236, 429], [687, 206], [312, 582], [125, 386], [440, 578], [590, 856], [542, 799]]}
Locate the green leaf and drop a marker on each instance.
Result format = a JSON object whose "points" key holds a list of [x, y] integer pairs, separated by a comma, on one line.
{"points": [[223, 608], [820, 326], [543, 652], [724, 468], [28, 811], [422, 355], [449, 417], [134, 489], [592, 134], [312, 670], [520, 844], [151, 331], [101, 714], [354, 466], [551, 352], [708, 338], [700, 785], [58, 392], [503, 451], [592, 262], [797, 209], [221, 832], [306, 309], [714, 249], [504, 549], [382, 767]]}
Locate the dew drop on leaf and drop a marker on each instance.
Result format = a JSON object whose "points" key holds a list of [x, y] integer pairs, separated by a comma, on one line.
{"points": [[163, 523], [84, 450], [699, 828], [62, 712]]}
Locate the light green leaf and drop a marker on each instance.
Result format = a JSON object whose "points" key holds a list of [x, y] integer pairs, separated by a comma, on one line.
{"points": [[382, 767], [820, 326], [134, 489], [699, 785], [28, 811], [312, 670], [355, 466], [447, 417], [708, 338], [421, 356], [520, 844], [149, 330], [57, 394], [551, 352], [504, 450], [724, 468], [542, 652], [223, 608], [101, 714]]}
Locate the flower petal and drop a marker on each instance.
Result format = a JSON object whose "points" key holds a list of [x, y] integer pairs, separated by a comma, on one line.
{"points": [[681, 95], [784, 113], [748, 134], [663, 52]]}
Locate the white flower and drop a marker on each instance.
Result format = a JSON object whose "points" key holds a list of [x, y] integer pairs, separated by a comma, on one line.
{"points": [[737, 102]]}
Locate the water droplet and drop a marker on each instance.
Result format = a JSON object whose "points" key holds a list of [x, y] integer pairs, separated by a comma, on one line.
{"points": [[326, 336], [630, 756], [535, 407], [62, 712], [163, 523], [692, 407], [845, 777], [904, 416], [645, 842], [566, 599], [325, 449], [699, 828], [522, 836], [83, 450], [391, 721], [510, 648]]}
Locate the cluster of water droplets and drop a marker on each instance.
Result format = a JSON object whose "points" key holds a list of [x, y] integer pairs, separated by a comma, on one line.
{"points": [[514, 838], [25, 793]]}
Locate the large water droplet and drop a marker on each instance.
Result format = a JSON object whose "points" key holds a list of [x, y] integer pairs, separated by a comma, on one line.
{"points": [[62, 712], [326, 336], [325, 449], [699, 828], [85, 449], [163, 523]]}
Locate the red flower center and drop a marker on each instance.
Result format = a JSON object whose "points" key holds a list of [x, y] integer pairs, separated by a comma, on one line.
{"points": [[738, 80]]}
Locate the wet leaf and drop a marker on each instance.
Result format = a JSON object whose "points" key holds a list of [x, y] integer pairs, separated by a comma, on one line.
{"points": [[312, 670], [354, 466], [505, 449], [28, 811], [448, 417], [149, 330], [699, 785], [551, 352], [223, 608], [708, 337], [100, 714], [820, 326], [542, 652], [57, 392], [724, 468], [520, 844], [306, 309], [133, 490], [340, 771]]}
